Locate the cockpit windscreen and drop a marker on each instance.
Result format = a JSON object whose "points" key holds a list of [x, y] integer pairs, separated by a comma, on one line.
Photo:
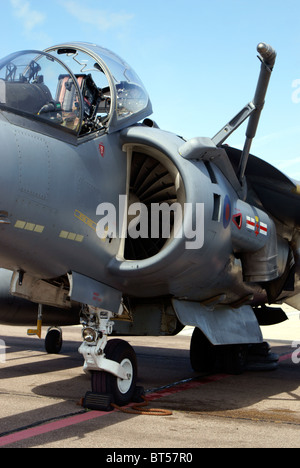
{"points": [[123, 99], [80, 87], [36, 84]]}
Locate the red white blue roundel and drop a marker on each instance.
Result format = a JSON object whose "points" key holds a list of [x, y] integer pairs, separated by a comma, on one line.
{"points": [[226, 212]]}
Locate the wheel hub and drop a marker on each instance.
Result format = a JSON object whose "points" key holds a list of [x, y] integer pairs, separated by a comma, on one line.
{"points": [[124, 385]]}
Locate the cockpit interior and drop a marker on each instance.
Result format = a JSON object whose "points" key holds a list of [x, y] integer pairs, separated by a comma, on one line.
{"points": [[79, 87]]}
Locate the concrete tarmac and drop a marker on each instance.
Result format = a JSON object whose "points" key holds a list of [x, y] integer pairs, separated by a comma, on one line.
{"points": [[39, 395]]}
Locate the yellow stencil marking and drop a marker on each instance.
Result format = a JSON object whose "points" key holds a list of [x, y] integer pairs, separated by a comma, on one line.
{"points": [[72, 236], [85, 219], [64, 234], [20, 224], [29, 226], [39, 229], [89, 222]]}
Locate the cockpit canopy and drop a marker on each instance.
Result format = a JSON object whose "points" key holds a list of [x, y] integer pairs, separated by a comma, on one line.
{"points": [[80, 87]]}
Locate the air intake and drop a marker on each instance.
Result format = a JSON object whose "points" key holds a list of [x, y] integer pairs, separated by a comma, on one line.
{"points": [[150, 182]]}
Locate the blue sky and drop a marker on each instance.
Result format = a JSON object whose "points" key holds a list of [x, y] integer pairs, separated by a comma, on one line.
{"points": [[197, 59]]}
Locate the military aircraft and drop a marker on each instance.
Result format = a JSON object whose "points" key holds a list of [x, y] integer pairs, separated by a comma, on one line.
{"points": [[109, 221]]}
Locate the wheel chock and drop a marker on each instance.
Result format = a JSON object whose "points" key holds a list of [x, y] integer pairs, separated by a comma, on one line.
{"points": [[138, 395], [98, 401]]}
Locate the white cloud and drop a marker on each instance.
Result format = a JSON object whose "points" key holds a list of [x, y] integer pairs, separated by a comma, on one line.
{"points": [[284, 134], [101, 19], [30, 18]]}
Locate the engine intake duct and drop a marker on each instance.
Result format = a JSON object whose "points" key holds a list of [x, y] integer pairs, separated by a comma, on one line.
{"points": [[151, 182]]}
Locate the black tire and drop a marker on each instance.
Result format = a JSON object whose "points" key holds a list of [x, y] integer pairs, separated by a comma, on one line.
{"points": [[106, 383], [53, 341], [203, 354], [234, 359]]}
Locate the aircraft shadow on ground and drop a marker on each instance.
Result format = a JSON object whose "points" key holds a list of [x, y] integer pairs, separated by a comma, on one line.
{"points": [[158, 367]]}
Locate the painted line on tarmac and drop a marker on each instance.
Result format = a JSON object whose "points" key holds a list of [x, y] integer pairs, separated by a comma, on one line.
{"points": [[181, 387], [285, 357], [90, 415]]}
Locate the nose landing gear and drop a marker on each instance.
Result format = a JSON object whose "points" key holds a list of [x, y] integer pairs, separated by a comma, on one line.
{"points": [[112, 364], [122, 390]]}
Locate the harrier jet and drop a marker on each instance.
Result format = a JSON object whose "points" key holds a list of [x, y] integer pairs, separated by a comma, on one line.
{"points": [[109, 221]]}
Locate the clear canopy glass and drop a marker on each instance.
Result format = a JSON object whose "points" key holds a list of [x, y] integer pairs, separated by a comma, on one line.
{"points": [[80, 87], [125, 100], [36, 84]]}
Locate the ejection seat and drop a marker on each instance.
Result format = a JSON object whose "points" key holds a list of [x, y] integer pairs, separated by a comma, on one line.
{"points": [[23, 96]]}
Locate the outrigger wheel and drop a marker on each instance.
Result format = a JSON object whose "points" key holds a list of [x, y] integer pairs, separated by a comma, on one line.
{"points": [[103, 382], [53, 340]]}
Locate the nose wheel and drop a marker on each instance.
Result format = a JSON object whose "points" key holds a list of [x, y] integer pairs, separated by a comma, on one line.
{"points": [[103, 382]]}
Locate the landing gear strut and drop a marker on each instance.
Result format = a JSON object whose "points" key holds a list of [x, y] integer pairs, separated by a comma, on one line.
{"points": [[112, 364]]}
